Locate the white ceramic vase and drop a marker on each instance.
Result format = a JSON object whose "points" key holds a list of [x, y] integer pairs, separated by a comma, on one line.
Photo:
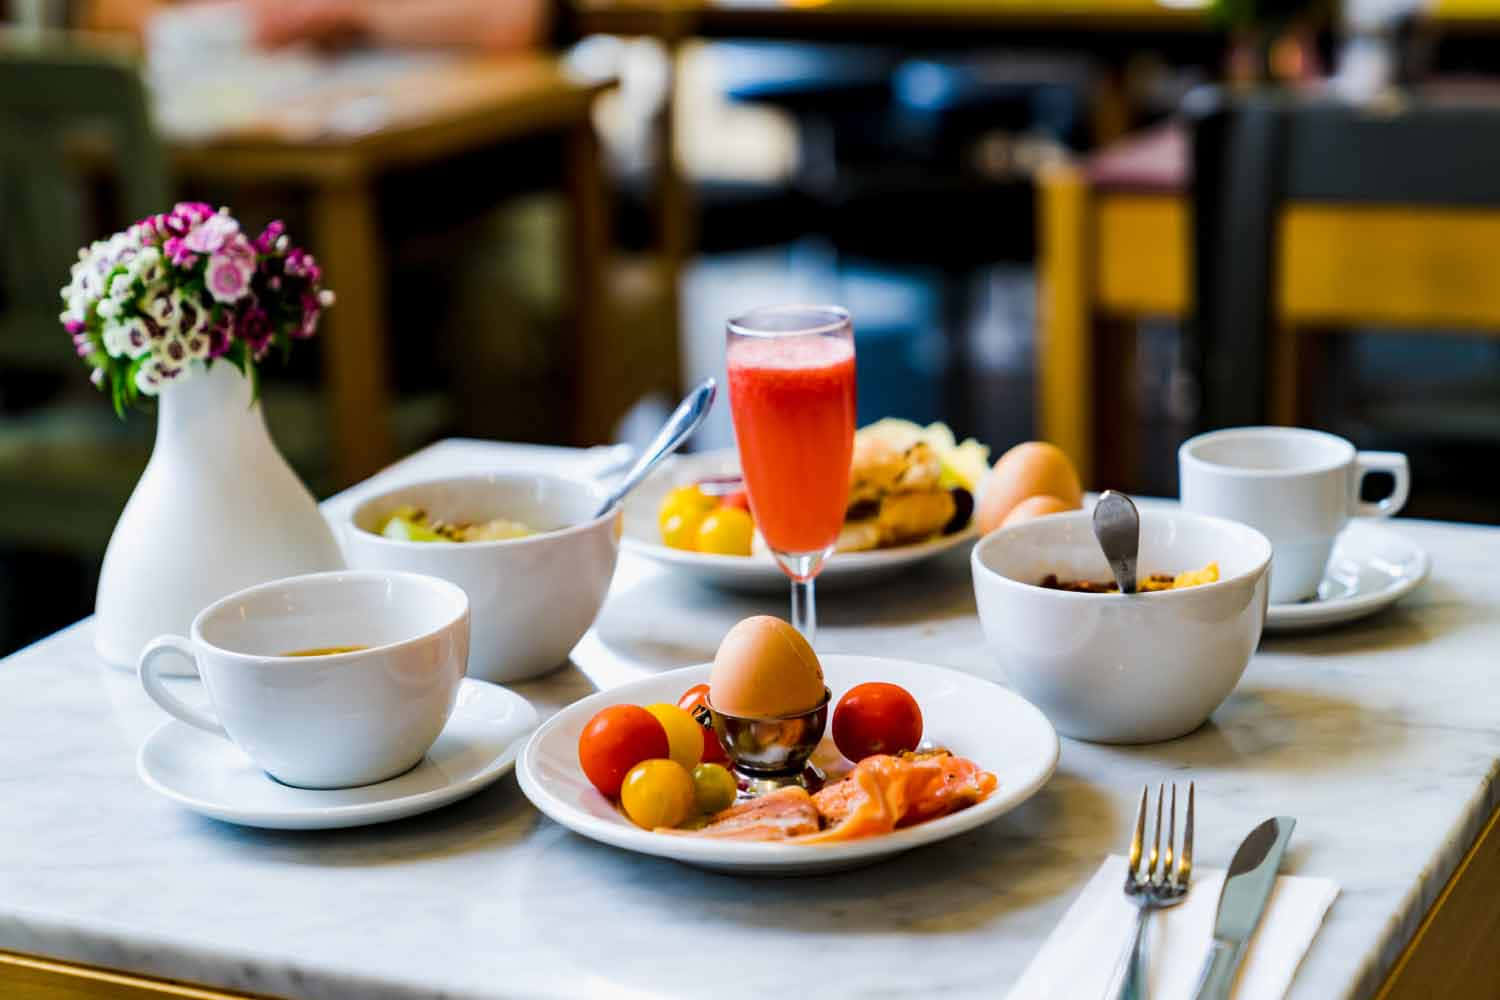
{"points": [[217, 510]]}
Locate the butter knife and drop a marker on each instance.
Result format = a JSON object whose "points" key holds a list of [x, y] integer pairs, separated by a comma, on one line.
{"points": [[1247, 886]]}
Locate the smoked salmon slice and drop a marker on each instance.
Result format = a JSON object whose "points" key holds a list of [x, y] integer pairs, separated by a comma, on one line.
{"points": [[884, 793], [781, 815], [881, 794]]}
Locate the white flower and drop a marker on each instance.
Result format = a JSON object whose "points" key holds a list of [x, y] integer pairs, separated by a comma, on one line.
{"points": [[148, 378], [109, 308], [192, 313], [116, 338], [197, 346], [149, 267], [170, 353], [77, 309], [137, 336], [121, 285], [160, 305]]}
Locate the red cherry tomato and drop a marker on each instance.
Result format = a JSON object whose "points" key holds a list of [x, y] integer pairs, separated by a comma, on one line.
{"points": [[876, 718], [739, 499], [617, 739], [695, 700]]}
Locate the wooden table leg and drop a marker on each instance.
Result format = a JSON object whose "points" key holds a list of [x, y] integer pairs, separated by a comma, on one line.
{"points": [[355, 367], [593, 365], [674, 201], [1453, 952], [1065, 348]]}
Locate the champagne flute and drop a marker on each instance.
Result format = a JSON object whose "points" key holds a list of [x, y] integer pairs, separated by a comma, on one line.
{"points": [[791, 392]]}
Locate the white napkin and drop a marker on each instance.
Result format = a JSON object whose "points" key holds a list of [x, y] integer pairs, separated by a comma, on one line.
{"points": [[1079, 957]]}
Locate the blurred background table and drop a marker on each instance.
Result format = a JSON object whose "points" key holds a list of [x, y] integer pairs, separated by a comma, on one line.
{"points": [[337, 141], [762, 18]]}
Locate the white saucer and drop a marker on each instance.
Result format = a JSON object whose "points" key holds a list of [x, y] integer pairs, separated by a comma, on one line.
{"points": [[210, 775], [1372, 567], [996, 728], [758, 573]]}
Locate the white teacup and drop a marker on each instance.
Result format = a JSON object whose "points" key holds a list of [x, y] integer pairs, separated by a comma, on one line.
{"points": [[1298, 487], [333, 720]]}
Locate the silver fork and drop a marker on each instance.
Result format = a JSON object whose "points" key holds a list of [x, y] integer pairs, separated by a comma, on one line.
{"points": [[1147, 890]]}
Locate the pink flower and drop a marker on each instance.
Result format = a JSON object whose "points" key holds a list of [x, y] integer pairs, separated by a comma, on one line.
{"points": [[193, 212], [311, 310], [212, 234], [178, 253], [227, 281], [255, 330], [220, 336], [266, 241], [230, 269], [300, 264]]}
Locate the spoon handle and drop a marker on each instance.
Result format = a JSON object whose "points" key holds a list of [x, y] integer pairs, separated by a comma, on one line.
{"points": [[684, 420], [1117, 526]]}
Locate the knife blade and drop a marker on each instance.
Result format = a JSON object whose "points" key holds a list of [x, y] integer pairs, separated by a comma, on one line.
{"points": [[1247, 886]]}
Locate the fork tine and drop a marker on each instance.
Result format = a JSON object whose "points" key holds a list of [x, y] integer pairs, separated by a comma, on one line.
{"points": [[1140, 836], [1185, 861], [1167, 874], [1156, 837]]}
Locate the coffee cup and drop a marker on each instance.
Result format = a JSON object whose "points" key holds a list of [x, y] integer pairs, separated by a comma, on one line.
{"points": [[1298, 487], [328, 680]]}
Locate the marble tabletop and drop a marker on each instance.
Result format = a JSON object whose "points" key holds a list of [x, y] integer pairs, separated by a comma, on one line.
{"points": [[1382, 738]]}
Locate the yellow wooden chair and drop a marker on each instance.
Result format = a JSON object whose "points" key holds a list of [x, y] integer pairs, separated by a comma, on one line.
{"points": [[1371, 219]]}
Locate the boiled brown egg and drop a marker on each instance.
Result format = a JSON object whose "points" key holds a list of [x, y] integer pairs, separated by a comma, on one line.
{"points": [[1035, 468], [1033, 507], [765, 669]]}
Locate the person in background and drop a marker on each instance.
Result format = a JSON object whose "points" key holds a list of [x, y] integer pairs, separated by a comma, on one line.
{"points": [[495, 25]]}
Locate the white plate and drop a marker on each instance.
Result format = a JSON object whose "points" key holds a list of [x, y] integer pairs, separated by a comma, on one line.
{"points": [[1372, 567], [757, 573], [996, 728], [210, 775]]}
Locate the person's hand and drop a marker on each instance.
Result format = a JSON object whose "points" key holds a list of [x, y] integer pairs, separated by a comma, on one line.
{"points": [[321, 22]]}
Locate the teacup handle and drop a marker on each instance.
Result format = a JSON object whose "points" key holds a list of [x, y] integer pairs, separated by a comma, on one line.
{"points": [[151, 680], [1382, 461]]}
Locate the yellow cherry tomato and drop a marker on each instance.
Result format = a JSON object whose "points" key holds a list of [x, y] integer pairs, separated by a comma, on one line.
{"points": [[726, 532], [680, 530], [681, 512], [715, 787], [658, 793], [684, 735], [685, 500]]}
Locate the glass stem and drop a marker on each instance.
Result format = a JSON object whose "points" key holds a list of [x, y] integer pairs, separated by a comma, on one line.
{"points": [[804, 610]]}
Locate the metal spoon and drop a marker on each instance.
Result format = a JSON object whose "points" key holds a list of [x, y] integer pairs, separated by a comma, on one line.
{"points": [[684, 420], [1117, 525]]}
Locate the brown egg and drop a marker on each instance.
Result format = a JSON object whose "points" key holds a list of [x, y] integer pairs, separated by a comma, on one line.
{"points": [[1039, 506], [765, 669], [1035, 468]]}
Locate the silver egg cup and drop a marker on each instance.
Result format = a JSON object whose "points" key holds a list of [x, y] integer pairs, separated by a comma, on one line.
{"points": [[773, 751]]}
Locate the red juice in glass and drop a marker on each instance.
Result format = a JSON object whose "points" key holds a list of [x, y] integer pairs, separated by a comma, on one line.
{"points": [[792, 397]]}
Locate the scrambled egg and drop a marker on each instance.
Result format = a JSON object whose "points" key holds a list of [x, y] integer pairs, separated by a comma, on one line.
{"points": [[1187, 578]]}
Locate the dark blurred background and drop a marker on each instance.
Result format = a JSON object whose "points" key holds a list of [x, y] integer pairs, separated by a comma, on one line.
{"points": [[1187, 190]]}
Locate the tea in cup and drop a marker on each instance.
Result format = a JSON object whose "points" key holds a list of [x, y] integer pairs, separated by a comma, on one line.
{"points": [[1298, 487], [328, 680]]}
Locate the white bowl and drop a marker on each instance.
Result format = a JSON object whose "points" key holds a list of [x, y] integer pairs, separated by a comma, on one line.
{"points": [[1114, 668], [531, 598]]}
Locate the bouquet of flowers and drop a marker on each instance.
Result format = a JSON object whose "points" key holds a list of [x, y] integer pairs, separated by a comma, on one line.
{"points": [[186, 286]]}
